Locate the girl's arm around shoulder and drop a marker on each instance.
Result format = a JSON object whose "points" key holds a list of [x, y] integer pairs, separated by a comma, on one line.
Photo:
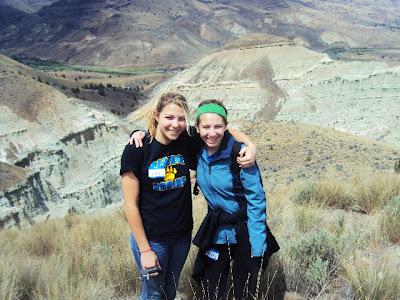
{"points": [[247, 155]]}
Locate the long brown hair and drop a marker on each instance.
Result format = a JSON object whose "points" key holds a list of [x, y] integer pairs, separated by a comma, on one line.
{"points": [[161, 102]]}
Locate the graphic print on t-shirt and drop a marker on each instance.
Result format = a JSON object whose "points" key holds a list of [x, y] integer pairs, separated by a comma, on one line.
{"points": [[165, 168]]}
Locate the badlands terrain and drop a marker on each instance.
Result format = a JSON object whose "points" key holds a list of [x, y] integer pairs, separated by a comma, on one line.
{"points": [[57, 154], [271, 86], [261, 78], [177, 32], [315, 84]]}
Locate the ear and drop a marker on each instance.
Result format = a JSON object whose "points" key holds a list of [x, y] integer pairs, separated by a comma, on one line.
{"points": [[197, 128], [156, 116]]}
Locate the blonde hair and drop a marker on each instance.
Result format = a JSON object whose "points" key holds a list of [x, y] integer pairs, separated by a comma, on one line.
{"points": [[159, 105]]}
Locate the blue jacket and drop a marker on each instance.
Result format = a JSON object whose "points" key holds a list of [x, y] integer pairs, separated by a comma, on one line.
{"points": [[215, 180]]}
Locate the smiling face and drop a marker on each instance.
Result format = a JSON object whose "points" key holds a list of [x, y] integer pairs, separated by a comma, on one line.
{"points": [[171, 123], [211, 128]]}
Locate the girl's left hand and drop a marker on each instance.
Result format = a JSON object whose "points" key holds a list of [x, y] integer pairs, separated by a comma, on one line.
{"points": [[247, 157], [137, 138]]}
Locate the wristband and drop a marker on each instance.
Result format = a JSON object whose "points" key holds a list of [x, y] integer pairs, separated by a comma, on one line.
{"points": [[145, 251]]}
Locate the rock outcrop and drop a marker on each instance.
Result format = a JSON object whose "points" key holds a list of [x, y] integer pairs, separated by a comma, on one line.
{"points": [[57, 154], [178, 32], [287, 82]]}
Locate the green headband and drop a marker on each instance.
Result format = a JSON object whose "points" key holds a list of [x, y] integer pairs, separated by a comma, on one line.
{"points": [[211, 108]]}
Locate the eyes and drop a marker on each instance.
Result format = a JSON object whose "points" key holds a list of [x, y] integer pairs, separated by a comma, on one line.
{"points": [[218, 126], [171, 118]]}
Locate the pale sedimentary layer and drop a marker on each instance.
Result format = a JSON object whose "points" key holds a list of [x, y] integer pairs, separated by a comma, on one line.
{"points": [[361, 98], [69, 153], [288, 82]]}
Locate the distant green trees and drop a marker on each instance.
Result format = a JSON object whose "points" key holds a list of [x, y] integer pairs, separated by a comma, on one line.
{"points": [[132, 92], [101, 89]]}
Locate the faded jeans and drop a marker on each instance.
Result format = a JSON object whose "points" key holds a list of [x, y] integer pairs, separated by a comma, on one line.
{"points": [[171, 255]]}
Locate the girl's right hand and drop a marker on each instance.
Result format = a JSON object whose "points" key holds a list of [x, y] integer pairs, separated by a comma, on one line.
{"points": [[149, 260], [137, 138]]}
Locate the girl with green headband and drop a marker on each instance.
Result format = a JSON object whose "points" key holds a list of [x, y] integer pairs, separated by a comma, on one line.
{"points": [[234, 228]]}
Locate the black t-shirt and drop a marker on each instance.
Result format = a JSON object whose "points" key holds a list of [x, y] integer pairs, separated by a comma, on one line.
{"points": [[165, 200]]}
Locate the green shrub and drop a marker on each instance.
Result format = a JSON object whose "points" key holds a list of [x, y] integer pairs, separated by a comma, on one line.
{"points": [[308, 246], [338, 225], [313, 259], [305, 195], [397, 166], [318, 274]]}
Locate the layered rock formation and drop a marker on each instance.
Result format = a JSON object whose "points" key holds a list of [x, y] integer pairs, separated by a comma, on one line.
{"points": [[287, 82], [57, 154], [28, 6], [178, 32]]}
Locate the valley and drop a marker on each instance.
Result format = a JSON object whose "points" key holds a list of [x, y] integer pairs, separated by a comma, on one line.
{"points": [[314, 84]]}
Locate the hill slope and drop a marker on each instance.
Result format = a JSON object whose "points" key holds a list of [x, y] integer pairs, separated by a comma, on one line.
{"points": [[28, 6], [290, 152], [56, 153], [285, 81], [119, 32]]}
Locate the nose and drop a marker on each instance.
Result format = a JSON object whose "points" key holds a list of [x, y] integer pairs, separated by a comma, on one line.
{"points": [[175, 123], [212, 132]]}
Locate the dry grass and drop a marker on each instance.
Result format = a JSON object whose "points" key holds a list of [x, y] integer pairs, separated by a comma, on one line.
{"points": [[306, 218], [288, 153], [367, 195], [10, 175], [390, 220], [74, 258], [88, 257], [373, 193], [316, 237], [325, 194], [373, 277]]}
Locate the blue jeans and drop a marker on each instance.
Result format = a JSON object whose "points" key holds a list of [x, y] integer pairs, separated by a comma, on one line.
{"points": [[171, 255]]}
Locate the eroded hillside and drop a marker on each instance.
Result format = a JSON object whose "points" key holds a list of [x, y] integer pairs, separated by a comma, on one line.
{"points": [[57, 154], [118, 32], [285, 81]]}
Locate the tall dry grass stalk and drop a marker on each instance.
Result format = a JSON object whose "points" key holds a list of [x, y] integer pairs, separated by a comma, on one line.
{"points": [[88, 257], [366, 194], [373, 193], [373, 277], [390, 220], [324, 193], [78, 257], [307, 218]]}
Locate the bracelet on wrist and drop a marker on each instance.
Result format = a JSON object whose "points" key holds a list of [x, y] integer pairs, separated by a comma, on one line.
{"points": [[145, 251]]}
